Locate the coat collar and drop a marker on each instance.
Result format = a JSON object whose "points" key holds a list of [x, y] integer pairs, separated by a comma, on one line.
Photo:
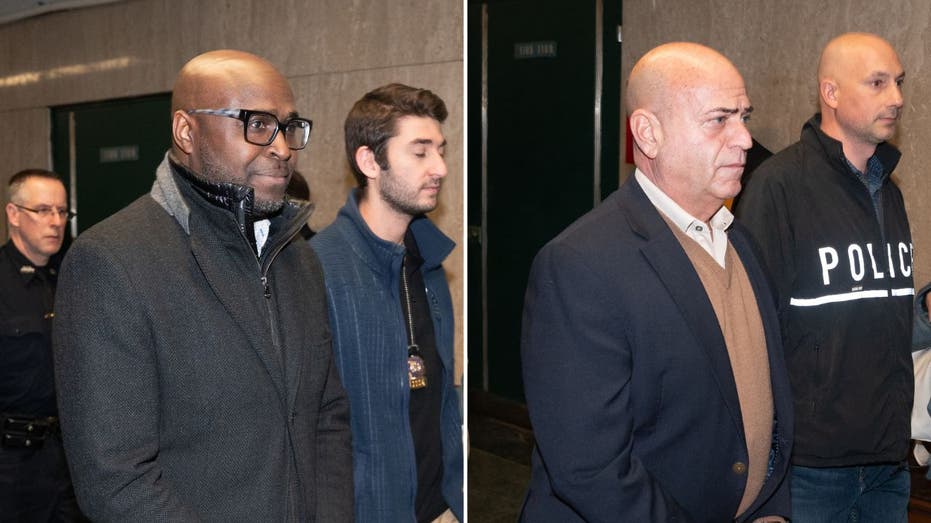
{"points": [[834, 150], [236, 199], [22, 266], [381, 255], [220, 251]]}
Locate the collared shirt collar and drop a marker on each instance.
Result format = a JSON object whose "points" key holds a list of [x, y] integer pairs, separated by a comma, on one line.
{"points": [[24, 267], [873, 179], [875, 175], [713, 239]]}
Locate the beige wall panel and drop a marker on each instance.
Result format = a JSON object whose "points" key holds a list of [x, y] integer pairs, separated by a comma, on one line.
{"points": [[137, 46], [327, 99], [776, 45], [24, 136]]}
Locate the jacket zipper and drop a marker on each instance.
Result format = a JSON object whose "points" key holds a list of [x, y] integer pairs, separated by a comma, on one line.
{"points": [[276, 339]]}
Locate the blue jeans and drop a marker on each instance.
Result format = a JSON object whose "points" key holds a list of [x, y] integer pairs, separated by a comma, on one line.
{"points": [[875, 493]]}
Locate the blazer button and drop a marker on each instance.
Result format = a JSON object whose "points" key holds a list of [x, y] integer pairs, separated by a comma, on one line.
{"points": [[739, 468]]}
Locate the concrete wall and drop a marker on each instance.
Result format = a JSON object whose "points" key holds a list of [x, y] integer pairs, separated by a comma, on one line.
{"points": [[333, 51], [776, 45]]}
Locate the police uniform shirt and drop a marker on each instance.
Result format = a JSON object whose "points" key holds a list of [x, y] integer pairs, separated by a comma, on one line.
{"points": [[27, 294]]}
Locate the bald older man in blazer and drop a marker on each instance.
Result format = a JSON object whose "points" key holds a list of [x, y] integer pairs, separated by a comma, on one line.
{"points": [[653, 366]]}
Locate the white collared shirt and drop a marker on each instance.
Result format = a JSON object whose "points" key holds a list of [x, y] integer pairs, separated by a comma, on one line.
{"points": [[261, 234], [711, 236]]}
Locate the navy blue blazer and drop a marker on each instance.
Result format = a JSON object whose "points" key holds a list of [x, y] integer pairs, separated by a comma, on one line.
{"points": [[628, 380]]}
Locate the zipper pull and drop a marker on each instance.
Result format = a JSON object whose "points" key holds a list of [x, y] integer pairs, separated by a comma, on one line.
{"points": [[268, 292]]}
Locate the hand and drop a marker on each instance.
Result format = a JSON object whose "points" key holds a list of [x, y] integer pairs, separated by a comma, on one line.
{"points": [[770, 519]]}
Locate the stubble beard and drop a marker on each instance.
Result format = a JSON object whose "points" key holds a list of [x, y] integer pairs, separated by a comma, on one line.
{"points": [[400, 198], [885, 132]]}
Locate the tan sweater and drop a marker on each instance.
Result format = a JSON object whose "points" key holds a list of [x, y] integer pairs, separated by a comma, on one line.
{"points": [[735, 306]]}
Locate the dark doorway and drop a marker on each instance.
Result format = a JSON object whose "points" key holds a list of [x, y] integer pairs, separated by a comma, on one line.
{"points": [[107, 152], [544, 122]]}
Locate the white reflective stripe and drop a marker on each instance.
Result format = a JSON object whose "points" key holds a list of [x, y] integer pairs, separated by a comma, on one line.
{"points": [[903, 292], [834, 298]]}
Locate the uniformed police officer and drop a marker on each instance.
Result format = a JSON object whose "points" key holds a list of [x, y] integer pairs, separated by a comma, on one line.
{"points": [[34, 480]]}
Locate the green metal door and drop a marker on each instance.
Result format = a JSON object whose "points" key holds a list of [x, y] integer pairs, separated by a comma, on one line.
{"points": [[547, 111], [107, 152]]}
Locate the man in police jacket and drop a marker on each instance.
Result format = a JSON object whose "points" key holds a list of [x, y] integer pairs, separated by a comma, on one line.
{"points": [[836, 239]]}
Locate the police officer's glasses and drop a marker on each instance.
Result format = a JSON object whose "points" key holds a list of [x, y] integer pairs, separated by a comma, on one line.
{"points": [[261, 128], [47, 212]]}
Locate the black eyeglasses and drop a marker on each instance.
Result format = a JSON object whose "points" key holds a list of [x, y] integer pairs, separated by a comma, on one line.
{"points": [[45, 212], [261, 128]]}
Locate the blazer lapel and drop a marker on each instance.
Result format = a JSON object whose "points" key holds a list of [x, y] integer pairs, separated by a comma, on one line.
{"points": [[673, 267], [767, 305]]}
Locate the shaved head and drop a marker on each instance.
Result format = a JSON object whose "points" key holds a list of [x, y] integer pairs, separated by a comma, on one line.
{"points": [[860, 93], [847, 51], [671, 70], [213, 146], [215, 76]]}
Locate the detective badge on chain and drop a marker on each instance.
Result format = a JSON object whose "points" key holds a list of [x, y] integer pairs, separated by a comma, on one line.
{"points": [[416, 370]]}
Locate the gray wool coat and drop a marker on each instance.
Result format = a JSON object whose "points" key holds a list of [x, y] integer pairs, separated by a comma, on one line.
{"points": [[186, 393]]}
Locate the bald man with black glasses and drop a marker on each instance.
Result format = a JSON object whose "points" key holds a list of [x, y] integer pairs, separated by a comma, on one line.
{"points": [[192, 341]]}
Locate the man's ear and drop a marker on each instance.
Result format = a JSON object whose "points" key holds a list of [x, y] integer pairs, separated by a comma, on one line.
{"points": [[646, 131], [827, 88], [183, 128], [12, 215], [365, 159]]}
